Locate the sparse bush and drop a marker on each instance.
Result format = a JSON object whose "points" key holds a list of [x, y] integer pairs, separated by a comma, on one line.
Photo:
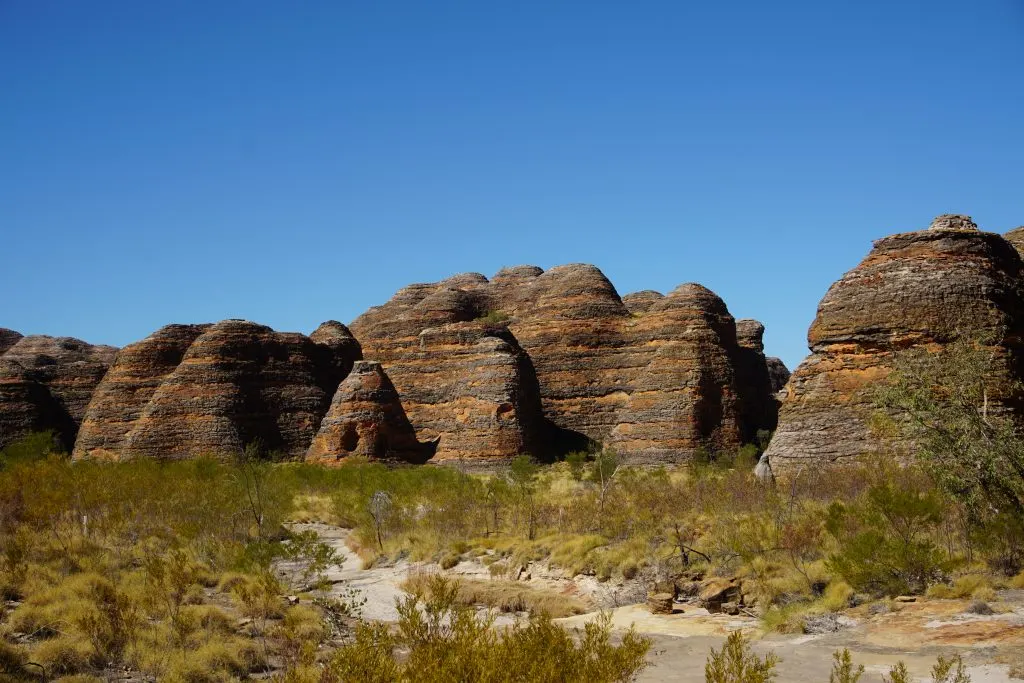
{"points": [[736, 663], [63, 655], [493, 317], [445, 642], [843, 670]]}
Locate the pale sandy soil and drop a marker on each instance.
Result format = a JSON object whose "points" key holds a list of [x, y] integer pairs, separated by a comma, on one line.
{"points": [[916, 633]]}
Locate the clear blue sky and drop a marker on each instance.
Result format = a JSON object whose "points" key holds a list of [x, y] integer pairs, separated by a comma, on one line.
{"points": [[290, 162]]}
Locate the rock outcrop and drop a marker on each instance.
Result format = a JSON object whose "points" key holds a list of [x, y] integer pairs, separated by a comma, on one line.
{"points": [[657, 376], [778, 373], [918, 288], [46, 383], [8, 338], [1016, 238], [759, 405], [366, 419], [195, 390], [463, 379]]}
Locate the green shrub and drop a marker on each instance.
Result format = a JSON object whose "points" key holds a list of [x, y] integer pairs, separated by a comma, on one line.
{"points": [[493, 318], [842, 668], [445, 642], [885, 539], [736, 663]]}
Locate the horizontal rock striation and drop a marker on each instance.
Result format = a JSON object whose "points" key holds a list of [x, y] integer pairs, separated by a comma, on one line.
{"points": [[657, 376], [366, 419], [463, 379], [46, 383], [201, 390], [918, 288]]}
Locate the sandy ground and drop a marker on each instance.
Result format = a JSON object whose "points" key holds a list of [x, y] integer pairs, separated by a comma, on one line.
{"points": [[915, 633]]}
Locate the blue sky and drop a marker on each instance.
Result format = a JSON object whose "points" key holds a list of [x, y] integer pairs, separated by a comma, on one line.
{"points": [[294, 162]]}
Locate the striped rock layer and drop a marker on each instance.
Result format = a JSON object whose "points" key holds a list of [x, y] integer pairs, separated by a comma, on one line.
{"points": [[537, 361], [918, 288], [211, 390], [366, 419], [46, 383]]}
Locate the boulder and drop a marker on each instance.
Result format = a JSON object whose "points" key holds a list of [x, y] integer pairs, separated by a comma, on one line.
{"points": [[199, 390], [914, 289], [46, 383], [717, 591], [366, 419], [660, 603]]}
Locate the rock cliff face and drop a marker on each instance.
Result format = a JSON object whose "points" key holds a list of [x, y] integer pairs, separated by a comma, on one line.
{"points": [[1016, 238], [916, 288], [656, 376], [46, 382], [463, 378], [778, 373], [193, 390], [760, 407], [366, 419]]}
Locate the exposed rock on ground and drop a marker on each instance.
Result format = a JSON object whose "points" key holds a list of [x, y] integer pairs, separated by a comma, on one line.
{"points": [[193, 390], [366, 419], [656, 376], [46, 382], [916, 288]]}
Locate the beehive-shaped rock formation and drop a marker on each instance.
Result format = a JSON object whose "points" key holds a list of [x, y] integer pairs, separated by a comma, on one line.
{"points": [[366, 419], [46, 382], [918, 288], [210, 390], [656, 376]]}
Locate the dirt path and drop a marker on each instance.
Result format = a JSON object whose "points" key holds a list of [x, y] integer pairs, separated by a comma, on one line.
{"points": [[379, 586]]}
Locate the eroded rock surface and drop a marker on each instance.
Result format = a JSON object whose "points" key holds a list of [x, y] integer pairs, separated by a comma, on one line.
{"points": [[754, 374], [463, 379], [917, 288], [46, 383], [366, 418], [778, 373], [655, 375], [195, 390], [8, 338]]}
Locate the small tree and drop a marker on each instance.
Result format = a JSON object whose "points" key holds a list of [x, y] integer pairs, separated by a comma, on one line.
{"points": [[380, 508], [952, 406], [522, 474], [602, 473]]}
